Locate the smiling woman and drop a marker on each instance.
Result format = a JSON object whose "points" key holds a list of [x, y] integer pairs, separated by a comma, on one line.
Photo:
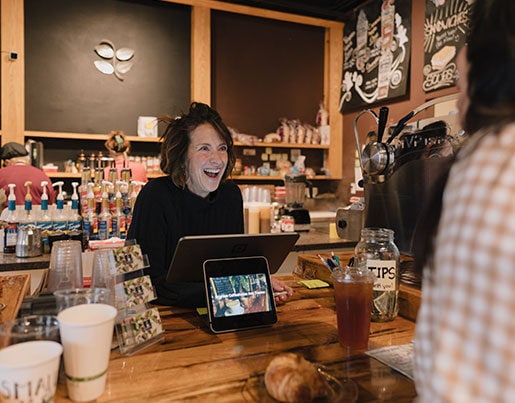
{"points": [[195, 198]]}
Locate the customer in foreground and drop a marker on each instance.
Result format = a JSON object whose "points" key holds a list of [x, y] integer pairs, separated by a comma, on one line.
{"points": [[195, 198], [464, 349]]}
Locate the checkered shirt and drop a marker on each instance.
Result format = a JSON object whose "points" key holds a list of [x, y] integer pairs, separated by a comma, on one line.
{"points": [[465, 335]]}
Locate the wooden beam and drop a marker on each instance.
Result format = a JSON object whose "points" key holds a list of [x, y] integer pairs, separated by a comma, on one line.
{"points": [[258, 12], [13, 71], [201, 54], [332, 83]]}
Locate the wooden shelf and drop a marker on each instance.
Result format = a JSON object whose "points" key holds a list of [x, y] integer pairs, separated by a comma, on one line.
{"points": [[71, 175], [273, 178], [85, 136], [282, 145]]}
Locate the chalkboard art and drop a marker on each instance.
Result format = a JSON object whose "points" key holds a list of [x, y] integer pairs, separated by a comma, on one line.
{"points": [[445, 32], [376, 48]]}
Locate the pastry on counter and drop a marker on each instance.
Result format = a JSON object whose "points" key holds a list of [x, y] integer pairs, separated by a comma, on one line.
{"points": [[291, 378]]}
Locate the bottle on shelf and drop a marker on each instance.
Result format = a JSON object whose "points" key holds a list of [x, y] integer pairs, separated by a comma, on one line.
{"points": [[104, 218], [11, 228], [118, 217], [75, 219], [83, 189], [90, 222], [60, 219], [27, 217], [44, 221]]}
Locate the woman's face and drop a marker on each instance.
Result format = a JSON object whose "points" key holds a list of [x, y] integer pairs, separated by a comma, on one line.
{"points": [[206, 160], [462, 85]]}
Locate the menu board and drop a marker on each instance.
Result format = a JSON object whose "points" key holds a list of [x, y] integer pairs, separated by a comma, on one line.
{"points": [[445, 32], [376, 47]]}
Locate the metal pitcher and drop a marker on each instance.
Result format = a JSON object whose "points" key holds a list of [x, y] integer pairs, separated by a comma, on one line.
{"points": [[28, 241]]}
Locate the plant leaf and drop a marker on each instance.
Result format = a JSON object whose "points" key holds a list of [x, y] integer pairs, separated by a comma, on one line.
{"points": [[105, 51], [104, 67], [124, 53], [123, 67]]}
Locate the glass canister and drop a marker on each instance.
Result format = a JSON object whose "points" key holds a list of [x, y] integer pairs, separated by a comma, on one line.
{"points": [[377, 252]]}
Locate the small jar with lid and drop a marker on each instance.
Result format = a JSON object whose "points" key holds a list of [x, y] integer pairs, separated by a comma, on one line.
{"points": [[377, 252]]}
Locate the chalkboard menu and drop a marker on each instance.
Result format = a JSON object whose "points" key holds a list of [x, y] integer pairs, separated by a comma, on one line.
{"points": [[377, 41], [445, 32]]}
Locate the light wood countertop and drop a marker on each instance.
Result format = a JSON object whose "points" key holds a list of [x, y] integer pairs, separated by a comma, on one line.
{"points": [[196, 365]]}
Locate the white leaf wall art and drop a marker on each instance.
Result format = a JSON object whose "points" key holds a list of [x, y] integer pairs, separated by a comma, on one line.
{"points": [[104, 67], [115, 61]]}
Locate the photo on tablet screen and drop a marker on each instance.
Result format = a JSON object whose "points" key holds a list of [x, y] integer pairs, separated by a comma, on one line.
{"points": [[240, 294]]}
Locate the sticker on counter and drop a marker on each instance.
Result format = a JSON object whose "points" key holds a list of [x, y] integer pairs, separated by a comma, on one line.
{"points": [[314, 283], [137, 291], [128, 258], [139, 328]]}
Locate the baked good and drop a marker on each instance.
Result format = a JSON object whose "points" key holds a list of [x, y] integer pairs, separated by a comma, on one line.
{"points": [[291, 378]]}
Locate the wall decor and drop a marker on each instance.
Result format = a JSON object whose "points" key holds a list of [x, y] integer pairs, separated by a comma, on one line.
{"points": [[114, 61], [376, 47], [445, 31]]}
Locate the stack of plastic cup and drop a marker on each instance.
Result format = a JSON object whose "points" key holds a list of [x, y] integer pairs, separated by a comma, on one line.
{"points": [[65, 266]]}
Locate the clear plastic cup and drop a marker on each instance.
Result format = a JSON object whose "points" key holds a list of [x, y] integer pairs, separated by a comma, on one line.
{"points": [[78, 296], [29, 328], [65, 266]]}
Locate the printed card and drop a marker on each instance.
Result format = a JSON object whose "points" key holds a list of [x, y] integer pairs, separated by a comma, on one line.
{"points": [[141, 327]]}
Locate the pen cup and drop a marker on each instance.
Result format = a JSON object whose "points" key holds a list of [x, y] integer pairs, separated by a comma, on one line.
{"points": [[353, 288]]}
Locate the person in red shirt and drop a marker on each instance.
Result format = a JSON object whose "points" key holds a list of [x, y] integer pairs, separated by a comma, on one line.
{"points": [[119, 146], [17, 169]]}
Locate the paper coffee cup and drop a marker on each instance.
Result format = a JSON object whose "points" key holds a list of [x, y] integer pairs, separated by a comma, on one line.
{"points": [[29, 371], [86, 336]]}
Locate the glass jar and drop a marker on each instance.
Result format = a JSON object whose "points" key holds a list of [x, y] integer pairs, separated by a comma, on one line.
{"points": [[377, 252]]}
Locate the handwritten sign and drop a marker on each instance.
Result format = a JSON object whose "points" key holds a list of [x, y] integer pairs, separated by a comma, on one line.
{"points": [[376, 53], [445, 32]]}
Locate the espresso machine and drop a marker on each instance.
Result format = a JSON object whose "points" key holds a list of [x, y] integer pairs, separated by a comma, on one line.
{"points": [[295, 186], [399, 171]]}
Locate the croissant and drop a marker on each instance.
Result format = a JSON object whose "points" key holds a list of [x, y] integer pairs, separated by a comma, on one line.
{"points": [[291, 378]]}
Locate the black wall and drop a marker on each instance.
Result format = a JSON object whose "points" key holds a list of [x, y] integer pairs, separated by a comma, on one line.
{"points": [[264, 69], [64, 90]]}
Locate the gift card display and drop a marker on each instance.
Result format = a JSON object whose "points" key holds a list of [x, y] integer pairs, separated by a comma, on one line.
{"points": [[128, 258], [137, 291], [141, 327]]}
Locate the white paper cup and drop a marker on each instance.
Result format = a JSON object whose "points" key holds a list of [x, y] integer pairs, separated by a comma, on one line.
{"points": [[86, 335], [29, 371]]}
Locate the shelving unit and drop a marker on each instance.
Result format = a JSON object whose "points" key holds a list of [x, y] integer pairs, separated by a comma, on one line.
{"points": [[41, 136], [12, 84]]}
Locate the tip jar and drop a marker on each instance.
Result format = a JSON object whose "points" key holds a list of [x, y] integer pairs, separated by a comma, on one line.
{"points": [[377, 252]]}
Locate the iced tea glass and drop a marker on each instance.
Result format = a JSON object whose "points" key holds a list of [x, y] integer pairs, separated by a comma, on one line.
{"points": [[353, 288]]}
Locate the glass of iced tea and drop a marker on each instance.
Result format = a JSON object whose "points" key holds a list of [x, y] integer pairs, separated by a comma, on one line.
{"points": [[353, 297]]}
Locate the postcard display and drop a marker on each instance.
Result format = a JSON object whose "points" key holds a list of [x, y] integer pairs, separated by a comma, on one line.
{"points": [[138, 325]]}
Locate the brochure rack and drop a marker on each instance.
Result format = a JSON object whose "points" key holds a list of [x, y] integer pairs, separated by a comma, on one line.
{"points": [[138, 325]]}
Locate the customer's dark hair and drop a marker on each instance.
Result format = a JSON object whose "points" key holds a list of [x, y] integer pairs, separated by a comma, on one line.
{"points": [[176, 140], [491, 95], [491, 58]]}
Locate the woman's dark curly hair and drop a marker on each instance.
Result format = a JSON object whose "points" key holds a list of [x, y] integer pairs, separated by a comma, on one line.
{"points": [[176, 140]]}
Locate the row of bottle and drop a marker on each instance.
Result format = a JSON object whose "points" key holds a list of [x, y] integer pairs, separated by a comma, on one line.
{"points": [[58, 219], [109, 217]]}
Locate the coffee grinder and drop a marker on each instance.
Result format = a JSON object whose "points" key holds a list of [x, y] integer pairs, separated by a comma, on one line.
{"points": [[295, 186]]}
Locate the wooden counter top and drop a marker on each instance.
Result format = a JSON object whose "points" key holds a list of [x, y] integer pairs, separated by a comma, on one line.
{"points": [[194, 364]]}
